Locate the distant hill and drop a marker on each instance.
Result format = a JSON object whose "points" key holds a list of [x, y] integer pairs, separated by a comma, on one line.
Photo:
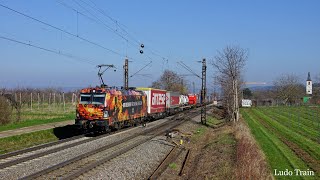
{"points": [[257, 88]]}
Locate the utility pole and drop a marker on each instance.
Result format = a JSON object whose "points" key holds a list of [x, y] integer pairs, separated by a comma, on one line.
{"points": [[203, 93], [193, 88], [203, 87], [126, 74]]}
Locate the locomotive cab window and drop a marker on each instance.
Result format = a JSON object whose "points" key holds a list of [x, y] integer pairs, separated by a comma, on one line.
{"points": [[98, 99], [85, 98], [92, 99]]}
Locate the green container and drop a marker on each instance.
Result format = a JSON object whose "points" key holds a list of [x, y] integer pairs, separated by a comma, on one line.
{"points": [[306, 99]]}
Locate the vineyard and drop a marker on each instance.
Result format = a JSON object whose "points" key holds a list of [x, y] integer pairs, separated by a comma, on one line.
{"points": [[28, 107], [289, 137]]}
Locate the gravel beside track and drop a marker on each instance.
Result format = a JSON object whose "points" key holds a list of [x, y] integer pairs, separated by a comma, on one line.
{"points": [[40, 150], [86, 161], [138, 163], [35, 165]]}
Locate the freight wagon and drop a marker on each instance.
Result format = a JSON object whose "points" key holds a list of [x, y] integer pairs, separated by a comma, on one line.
{"points": [[156, 102], [192, 99], [172, 102]]}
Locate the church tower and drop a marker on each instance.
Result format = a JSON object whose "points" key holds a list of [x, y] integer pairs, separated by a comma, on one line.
{"points": [[309, 85]]}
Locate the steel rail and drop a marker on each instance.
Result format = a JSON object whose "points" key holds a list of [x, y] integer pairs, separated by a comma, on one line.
{"points": [[75, 159]]}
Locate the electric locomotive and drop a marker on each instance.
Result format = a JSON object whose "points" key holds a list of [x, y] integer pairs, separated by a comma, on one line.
{"points": [[102, 109]]}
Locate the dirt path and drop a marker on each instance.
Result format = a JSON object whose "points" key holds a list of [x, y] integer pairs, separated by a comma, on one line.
{"points": [[24, 130]]}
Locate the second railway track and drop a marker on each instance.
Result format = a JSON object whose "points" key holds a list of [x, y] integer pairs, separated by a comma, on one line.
{"points": [[77, 166], [11, 167]]}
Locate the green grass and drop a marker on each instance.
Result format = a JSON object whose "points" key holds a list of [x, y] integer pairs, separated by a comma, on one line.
{"points": [[313, 148], [212, 122], [14, 143], [279, 155], [41, 116], [173, 165], [296, 123], [200, 131]]}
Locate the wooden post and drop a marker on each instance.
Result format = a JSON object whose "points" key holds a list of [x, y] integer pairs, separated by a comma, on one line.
{"points": [[54, 99], [49, 99], [31, 102], [64, 103], [20, 99], [60, 97], [38, 101]]}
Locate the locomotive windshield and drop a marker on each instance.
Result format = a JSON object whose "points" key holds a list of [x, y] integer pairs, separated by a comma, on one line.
{"points": [[86, 98]]}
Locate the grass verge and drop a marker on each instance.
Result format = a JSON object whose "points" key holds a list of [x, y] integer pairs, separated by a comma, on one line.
{"points": [[15, 143], [34, 122]]}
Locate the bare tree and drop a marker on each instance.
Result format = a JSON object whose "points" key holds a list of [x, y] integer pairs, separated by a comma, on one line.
{"points": [[229, 64], [289, 88], [171, 81]]}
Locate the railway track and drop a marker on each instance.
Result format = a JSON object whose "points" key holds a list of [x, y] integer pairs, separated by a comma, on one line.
{"points": [[12, 161], [75, 167], [17, 157]]}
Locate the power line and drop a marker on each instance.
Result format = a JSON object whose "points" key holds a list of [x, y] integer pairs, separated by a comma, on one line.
{"points": [[49, 50], [182, 64], [100, 21], [95, 19], [113, 20], [64, 31], [152, 51], [141, 69]]}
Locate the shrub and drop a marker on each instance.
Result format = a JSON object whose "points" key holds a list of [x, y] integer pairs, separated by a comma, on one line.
{"points": [[5, 111]]}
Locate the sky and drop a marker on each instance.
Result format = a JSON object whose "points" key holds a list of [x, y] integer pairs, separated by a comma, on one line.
{"points": [[74, 36]]}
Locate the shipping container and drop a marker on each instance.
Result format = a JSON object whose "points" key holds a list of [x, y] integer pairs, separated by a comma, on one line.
{"points": [[192, 99], [184, 100], [156, 101], [172, 102], [172, 99]]}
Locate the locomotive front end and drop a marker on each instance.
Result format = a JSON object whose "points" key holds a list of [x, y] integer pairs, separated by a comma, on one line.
{"points": [[92, 113]]}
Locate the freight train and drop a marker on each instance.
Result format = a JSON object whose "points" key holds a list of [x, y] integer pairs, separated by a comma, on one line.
{"points": [[103, 109]]}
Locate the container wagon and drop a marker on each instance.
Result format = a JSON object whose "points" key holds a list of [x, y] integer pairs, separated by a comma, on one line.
{"points": [[172, 102], [156, 102]]}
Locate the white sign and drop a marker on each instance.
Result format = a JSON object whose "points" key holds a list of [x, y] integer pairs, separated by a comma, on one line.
{"points": [[246, 103]]}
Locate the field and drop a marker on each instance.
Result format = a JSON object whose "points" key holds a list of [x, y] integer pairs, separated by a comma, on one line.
{"points": [[41, 115], [289, 137]]}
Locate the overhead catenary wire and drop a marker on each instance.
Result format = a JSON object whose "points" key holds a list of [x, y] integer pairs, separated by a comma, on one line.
{"points": [[118, 24], [141, 69], [113, 20], [64, 31], [97, 20], [49, 50], [182, 64]]}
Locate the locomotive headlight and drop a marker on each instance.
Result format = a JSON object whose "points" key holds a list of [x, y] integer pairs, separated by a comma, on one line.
{"points": [[105, 114]]}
